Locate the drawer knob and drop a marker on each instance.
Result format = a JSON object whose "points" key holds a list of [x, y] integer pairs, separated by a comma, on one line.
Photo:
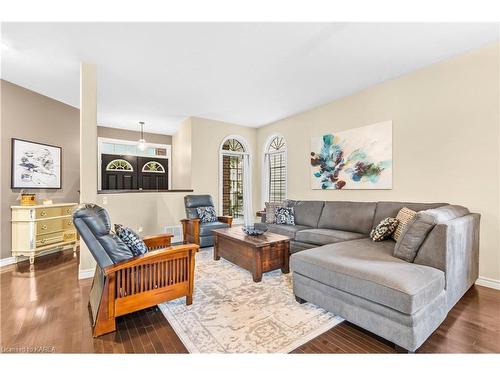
{"points": [[44, 227], [68, 223], [43, 240], [68, 210], [43, 213]]}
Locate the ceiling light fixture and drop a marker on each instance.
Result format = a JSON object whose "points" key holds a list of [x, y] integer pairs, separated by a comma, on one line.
{"points": [[141, 143]]}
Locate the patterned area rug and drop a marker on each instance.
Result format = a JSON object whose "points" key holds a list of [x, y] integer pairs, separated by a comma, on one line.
{"points": [[232, 314]]}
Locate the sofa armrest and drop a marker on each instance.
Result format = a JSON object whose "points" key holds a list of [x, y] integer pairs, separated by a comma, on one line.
{"points": [[225, 219], [453, 247]]}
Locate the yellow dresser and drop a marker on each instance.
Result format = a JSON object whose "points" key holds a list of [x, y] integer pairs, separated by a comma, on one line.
{"points": [[42, 228]]}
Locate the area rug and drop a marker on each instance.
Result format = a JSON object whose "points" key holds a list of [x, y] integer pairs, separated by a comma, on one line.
{"points": [[232, 314]]}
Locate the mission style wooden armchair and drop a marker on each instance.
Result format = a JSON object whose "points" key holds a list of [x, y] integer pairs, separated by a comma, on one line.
{"points": [[162, 274], [192, 229]]}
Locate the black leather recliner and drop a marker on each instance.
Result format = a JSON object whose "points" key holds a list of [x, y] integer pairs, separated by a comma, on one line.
{"points": [[193, 230], [124, 283]]}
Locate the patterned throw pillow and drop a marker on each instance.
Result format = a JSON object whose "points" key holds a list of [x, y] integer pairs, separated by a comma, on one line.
{"points": [[206, 214], [271, 211], [404, 216], [384, 229], [285, 215], [131, 239]]}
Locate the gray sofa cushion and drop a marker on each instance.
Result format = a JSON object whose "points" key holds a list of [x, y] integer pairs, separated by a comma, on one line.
{"points": [[295, 246], [326, 236], [306, 212], [349, 216], [413, 236], [207, 228], [367, 269], [391, 209], [286, 230], [447, 213]]}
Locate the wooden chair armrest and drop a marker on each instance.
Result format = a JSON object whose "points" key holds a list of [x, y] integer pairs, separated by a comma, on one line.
{"points": [[158, 241], [150, 257], [225, 219], [190, 220]]}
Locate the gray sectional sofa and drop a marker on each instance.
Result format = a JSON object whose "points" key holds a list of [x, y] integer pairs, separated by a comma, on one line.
{"points": [[338, 267]]}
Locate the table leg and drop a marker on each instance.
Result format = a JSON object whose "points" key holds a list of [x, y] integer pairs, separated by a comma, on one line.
{"points": [[286, 258], [257, 271], [216, 248]]}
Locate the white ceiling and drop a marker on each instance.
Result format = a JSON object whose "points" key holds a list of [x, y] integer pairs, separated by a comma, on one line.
{"points": [[246, 73]]}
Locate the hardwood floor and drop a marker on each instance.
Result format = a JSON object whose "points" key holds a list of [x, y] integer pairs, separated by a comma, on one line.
{"points": [[45, 309]]}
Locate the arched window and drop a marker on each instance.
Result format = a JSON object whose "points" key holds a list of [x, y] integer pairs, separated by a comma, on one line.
{"points": [[233, 152], [275, 169], [119, 165], [153, 167]]}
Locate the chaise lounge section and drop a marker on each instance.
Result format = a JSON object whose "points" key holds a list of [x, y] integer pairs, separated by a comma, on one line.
{"points": [[338, 267]]}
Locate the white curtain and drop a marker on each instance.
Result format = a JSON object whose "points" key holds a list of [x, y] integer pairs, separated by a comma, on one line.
{"points": [[247, 190], [265, 180]]}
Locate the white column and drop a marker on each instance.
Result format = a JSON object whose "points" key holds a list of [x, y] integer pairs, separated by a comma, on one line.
{"points": [[88, 153]]}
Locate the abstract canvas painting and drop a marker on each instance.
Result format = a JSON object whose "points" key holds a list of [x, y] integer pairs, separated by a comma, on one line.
{"points": [[358, 158], [35, 165]]}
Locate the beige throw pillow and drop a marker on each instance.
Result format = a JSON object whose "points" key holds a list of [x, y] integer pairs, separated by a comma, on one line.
{"points": [[271, 211], [404, 216]]}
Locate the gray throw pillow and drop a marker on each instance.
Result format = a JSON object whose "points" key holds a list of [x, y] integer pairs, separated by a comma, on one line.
{"points": [[413, 235]]}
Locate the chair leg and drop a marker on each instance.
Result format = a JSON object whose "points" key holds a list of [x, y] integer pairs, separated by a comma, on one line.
{"points": [[189, 300], [104, 326]]}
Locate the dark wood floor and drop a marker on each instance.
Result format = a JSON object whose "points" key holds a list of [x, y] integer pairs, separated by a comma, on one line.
{"points": [[45, 309]]}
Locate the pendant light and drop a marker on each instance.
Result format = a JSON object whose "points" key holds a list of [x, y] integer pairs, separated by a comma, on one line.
{"points": [[141, 143]]}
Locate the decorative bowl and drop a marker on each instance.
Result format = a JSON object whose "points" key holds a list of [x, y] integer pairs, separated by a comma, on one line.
{"points": [[255, 230]]}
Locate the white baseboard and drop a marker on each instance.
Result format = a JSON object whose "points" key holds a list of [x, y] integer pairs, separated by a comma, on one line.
{"points": [[85, 274], [489, 283], [7, 261]]}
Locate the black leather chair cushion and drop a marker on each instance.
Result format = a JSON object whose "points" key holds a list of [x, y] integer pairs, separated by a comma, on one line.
{"points": [[207, 228], [93, 224], [191, 202], [96, 217]]}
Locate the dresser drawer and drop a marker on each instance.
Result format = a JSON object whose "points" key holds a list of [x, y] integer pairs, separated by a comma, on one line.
{"points": [[67, 210], [48, 239], [68, 224], [49, 226], [44, 213]]}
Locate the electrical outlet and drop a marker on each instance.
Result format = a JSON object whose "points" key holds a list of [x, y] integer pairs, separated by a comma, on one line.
{"points": [[140, 229], [104, 200]]}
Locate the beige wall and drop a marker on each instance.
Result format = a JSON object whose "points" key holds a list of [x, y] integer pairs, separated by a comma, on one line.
{"points": [[31, 116], [207, 137], [149, 211], [181, 156], [130, 135], [445, 140]]}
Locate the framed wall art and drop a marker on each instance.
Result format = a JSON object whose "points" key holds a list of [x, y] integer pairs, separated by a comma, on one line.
{"points": [[359, 158], [35, 165]]}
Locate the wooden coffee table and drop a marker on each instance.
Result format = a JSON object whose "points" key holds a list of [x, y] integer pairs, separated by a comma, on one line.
{"points": [[256, 254]]}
